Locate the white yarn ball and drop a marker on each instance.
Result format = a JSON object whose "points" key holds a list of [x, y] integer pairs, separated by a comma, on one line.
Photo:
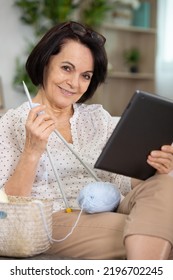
{"points": [[99, 197]]}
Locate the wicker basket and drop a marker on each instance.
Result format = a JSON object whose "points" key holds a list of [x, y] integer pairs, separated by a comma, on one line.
{"points": [[25, 226]]}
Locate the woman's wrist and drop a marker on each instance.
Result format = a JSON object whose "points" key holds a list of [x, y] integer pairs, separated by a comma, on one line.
{"points": [[21, 182], [28, 156]]}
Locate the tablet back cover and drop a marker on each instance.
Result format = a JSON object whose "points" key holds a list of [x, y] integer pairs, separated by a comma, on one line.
{"points": [[145, 125]]}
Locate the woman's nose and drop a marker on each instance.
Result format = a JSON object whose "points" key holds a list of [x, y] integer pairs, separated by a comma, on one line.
{"points": [[73, 80]]}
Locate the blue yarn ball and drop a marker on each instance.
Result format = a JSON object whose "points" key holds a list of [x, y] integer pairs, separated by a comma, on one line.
{"points": [[99, 197]]}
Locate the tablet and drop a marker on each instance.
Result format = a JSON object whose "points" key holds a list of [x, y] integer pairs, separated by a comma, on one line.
{"points": [[145, 125]]}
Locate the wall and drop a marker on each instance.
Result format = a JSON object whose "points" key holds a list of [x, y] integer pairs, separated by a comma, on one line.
{"points": [[13, 35]]}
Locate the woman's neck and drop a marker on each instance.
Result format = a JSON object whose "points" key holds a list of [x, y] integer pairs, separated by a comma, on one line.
{"points": [[51, 109]]}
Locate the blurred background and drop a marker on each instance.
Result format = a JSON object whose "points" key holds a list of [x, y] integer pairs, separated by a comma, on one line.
{"points": [[139, 45]]}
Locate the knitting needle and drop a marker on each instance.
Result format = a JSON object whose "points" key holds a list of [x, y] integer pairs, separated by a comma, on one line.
{"points": [[28, 95], [68, 209], [77, 156]]}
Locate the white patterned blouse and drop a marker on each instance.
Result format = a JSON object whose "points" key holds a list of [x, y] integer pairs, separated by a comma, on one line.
{"points": [[91, 126]]}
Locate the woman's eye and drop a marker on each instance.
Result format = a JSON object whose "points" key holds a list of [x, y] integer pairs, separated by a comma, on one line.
{"points": [[66, 68], [87, 76]]}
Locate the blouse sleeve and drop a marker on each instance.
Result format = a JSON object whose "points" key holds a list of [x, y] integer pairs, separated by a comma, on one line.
{"points": [[9, 148]]}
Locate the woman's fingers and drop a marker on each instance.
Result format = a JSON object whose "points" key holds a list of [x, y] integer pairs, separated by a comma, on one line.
{"points": [[39, 126], [38, 119], [162, 160], [35, 111], [162, 166]]}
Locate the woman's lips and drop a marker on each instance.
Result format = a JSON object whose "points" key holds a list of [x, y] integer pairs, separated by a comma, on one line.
{"points": [[66, 92]]}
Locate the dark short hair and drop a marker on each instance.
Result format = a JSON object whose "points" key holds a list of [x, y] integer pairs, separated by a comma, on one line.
{"points": [[51, 44]]}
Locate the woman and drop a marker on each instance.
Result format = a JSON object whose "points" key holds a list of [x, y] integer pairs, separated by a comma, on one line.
{"points": [[67, 65]]}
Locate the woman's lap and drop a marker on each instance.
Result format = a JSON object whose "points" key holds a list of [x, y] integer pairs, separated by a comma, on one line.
{"points": [[96, 236], [146, 210]]}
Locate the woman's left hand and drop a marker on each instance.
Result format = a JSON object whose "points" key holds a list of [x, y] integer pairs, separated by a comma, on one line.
{"points": [[162, 160]]}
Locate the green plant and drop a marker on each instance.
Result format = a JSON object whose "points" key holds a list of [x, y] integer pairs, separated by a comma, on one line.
{"points": [[95, 12], [42, 14], [132, 58], [21, 75]]}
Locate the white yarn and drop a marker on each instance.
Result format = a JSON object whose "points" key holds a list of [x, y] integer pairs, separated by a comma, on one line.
{"points": [[99, 197], [93, 198], [40, 205], [3, 197]]}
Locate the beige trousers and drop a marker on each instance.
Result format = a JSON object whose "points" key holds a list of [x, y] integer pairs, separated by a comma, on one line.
{"points": [[146, 210]]}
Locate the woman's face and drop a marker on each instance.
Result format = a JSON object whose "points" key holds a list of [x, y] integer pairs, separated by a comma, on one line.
{"points": [[68, 75]]}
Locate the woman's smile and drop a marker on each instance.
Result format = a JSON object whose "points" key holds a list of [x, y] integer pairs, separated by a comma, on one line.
{"points": [[66, 92]]}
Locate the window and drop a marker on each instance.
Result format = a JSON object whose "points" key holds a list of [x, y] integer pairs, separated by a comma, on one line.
{"points": [[164, 65], [168, 27]]}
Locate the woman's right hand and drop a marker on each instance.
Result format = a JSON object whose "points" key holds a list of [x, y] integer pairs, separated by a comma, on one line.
{"points": [[39, 126]]}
